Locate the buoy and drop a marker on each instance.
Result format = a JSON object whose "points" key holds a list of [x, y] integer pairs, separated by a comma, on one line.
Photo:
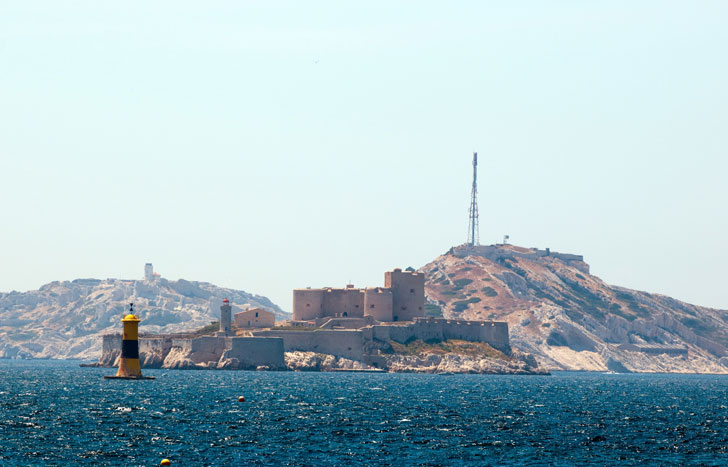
{"points": [[241, 399], [165, 462], [129, 367]]}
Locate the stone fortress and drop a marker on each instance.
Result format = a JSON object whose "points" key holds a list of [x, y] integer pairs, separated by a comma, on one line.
{"points": [[358, 323], [352, 323], [401, 299]]}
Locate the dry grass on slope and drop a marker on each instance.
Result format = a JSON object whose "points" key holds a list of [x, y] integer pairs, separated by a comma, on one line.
{"points": [[451, 346]]}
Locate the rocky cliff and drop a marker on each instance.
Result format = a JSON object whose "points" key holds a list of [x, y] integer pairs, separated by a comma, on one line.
{"points": [[66, 319], [572, 320]]}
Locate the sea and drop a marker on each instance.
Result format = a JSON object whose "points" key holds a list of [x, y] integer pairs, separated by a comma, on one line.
{"points": [[55, 413]]}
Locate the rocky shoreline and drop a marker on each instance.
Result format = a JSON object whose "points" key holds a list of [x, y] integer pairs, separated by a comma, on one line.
{"points": [[425, 362]]}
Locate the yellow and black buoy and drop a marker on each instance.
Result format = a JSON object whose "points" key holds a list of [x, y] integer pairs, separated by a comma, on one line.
{"points": [[129, 367], [165, 462], [241, 399]]}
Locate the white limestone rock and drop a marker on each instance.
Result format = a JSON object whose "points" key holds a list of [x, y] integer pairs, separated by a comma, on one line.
{"points": [[66, 319]]}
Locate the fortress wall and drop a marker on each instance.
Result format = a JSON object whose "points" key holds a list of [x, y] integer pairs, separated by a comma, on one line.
{"points": [[567, 257], [159, 345], [201, 349], [367, 334], [307, 304], [496, 334], [464, 330], [153, 350], [401, 334], [428, 331], [381, 333], [252, 352], [342, 343], [345, 323], [378, 303], [408, 294], [110, 350]]}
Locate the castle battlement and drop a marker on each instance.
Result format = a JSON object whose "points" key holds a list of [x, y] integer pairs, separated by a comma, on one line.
{"points": [[401, 299]]}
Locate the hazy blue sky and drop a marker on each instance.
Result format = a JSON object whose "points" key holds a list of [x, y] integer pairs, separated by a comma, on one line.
{"points": [[272, 145]]}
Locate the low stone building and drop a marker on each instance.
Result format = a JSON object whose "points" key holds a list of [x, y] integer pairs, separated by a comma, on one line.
{"points": [[255, 318]]}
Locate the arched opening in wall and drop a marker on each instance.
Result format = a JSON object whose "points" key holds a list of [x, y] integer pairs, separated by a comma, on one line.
{"points": [[345, 314], [395, 318]]}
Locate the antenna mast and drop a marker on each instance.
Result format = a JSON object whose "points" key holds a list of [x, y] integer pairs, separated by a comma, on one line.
{"points": [[473, 228]]}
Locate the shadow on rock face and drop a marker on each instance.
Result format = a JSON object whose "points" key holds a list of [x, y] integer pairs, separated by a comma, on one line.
{"points": [[616, 366]]}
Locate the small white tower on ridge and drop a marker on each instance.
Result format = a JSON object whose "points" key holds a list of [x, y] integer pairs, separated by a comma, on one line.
{"points": [[148, 272]]}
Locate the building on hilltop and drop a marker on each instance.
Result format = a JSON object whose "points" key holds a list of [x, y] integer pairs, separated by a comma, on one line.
{"points": [[148, 272], [497, 253], [401, 299]]}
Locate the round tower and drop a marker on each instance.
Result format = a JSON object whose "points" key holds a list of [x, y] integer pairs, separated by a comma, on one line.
{"points": [[308, 304], [378, 303]]}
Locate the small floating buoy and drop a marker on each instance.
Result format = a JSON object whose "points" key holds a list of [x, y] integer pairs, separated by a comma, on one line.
{"points": [[241, 399], [165, 462]]}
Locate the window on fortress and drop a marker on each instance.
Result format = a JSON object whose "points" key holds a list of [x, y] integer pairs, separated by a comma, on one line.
{"points": [[256, 313], [404, 307], [371, 306], [412, 290], [308, 304]]}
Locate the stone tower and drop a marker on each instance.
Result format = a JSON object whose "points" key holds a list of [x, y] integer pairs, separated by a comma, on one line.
{"points": [[408, 293], [378, 303], [148, 272], [225, 317]]}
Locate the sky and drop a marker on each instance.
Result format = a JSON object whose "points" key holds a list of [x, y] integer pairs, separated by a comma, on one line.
{"points": [[266, 146]]}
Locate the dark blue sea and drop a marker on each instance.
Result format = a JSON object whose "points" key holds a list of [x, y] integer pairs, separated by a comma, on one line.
{"points": [[55, 413]]}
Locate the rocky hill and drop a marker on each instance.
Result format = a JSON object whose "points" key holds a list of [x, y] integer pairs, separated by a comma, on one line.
{"points": [[66, 319], [572, 320]]}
